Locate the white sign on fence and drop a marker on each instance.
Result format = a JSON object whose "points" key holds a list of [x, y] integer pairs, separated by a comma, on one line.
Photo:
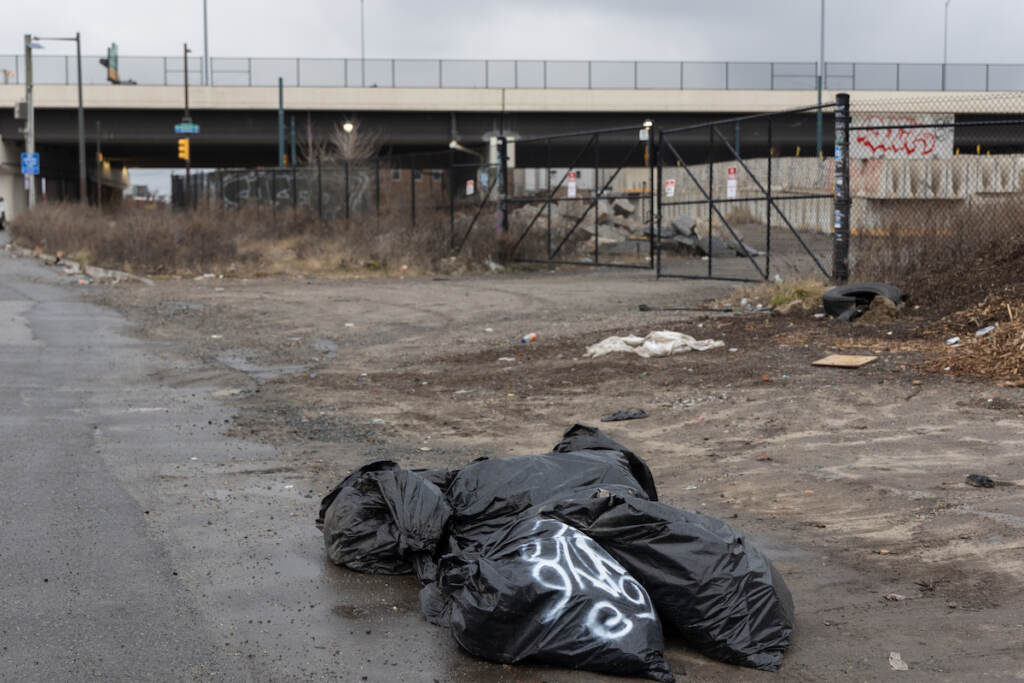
{"points": [[901, 136], [571, 185], [670, 187], [730, 183], [470, 187]]}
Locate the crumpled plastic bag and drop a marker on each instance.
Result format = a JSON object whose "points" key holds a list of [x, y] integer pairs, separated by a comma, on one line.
{"points": [[654, 345], [718, 591], [543, 591]]}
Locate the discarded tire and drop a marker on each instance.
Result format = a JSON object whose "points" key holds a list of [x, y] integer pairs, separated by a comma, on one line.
{"points": [[845, 302]]}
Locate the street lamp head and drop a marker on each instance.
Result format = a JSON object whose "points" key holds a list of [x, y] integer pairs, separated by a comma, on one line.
{"points": [[348, 126], [648, 123], [34, 44]]}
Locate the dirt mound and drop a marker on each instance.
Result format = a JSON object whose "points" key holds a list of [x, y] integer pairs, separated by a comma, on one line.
{"points": [[960, 285]]}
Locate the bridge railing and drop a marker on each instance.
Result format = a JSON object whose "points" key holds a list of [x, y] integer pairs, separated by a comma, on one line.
{"points": [[541, 74]]}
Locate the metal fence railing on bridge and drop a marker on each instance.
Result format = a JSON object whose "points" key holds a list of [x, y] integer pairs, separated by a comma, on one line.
{"points": [[523, 73]]}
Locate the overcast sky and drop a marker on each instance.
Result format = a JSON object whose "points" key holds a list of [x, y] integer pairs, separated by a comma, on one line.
{"points": [[737, 30]]}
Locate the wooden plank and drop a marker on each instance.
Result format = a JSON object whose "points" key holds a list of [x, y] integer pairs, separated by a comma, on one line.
{"points": [[838, 360]]}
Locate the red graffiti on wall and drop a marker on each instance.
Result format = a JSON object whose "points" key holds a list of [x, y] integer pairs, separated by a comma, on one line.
{"points": [[897, 136]]}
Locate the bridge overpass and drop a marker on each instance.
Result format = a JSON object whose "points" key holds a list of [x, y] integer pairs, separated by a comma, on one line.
{"points": [[239, 123]]}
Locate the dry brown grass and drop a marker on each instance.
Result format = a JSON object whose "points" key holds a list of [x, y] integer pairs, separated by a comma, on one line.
{"points": [[919, 239], [253, 241]]}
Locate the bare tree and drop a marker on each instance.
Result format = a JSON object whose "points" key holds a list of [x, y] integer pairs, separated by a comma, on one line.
{"points": [[313, 148], [352, 142]]}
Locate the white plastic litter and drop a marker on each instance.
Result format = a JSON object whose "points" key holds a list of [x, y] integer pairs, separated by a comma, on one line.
{"points": [[655, 344]]}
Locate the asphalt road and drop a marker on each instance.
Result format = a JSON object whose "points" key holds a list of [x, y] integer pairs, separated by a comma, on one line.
{"points": [[88, 589], [139, 541]]}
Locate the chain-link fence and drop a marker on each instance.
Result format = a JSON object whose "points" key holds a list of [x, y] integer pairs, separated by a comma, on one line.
{"points": [[932, 186]]}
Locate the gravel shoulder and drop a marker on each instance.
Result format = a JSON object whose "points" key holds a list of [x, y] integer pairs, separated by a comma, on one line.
{"points": [[853, 481]]}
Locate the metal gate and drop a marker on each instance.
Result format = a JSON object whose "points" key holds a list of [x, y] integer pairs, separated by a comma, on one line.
{"points": [[739, 201]]}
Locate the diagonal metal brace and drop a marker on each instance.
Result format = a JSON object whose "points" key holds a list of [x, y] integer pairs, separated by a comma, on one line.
{"points": [[757, 182], [764, 276]]}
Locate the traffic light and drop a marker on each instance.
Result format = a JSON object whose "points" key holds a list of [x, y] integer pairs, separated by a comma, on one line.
{"points": [[183, 151], [111, 63]]}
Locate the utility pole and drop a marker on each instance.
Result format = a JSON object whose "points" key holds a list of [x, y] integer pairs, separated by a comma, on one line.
{"points": [[30, 118]]}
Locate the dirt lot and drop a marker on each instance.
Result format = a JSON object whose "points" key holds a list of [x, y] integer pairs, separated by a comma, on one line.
{"points": [[853, 481]]}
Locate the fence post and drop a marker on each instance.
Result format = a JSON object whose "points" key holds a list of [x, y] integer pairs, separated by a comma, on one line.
{"points": [[841, 231], [503, 179], [348, 211], [412, 187]]}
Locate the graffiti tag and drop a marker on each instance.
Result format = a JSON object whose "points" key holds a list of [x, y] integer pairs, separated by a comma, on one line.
{"points": [[569, 560]]}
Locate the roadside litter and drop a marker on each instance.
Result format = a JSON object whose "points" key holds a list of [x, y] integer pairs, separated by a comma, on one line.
{"points": [[847, 302], [980, 481], [532, 336], [526, 558], [897, 663], [625, 415], [656, 344], [838, 360]]}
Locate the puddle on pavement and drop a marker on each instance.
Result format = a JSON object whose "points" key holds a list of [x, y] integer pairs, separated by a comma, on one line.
{"points": [[260, 373]]}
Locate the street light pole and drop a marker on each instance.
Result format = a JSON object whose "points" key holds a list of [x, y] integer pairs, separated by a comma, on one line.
{"points": [[206, 49], [821, 75], [82, 183], [945, 42], [362, 47], [30, 118], [187, 119], [82, 177]]}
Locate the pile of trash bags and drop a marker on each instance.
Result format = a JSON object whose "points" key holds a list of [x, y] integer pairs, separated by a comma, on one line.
{"points": [[565, 558]]}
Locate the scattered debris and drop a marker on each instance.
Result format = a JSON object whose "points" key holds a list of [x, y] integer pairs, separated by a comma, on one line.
{"points": [[621, 415], [506, 359], [953, 341], [532, 336], [656, 344], [980, 481], [985, 330], [895, 597], [897, 663], [838, 360]]}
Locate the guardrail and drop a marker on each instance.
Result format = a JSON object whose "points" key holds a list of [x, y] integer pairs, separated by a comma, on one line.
{"points": [[469, 73]]}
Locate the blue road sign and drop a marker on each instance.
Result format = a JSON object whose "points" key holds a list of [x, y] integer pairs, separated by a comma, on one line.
{"points": [[30, 163], [187, 128]]}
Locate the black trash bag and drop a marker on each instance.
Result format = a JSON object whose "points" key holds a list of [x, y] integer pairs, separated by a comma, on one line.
{"points": [[583, 438], [543, 591], [385, 520], [720, 593], [487, 494]]}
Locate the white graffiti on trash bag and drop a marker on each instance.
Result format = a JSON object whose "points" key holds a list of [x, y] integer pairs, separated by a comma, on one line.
{"points": [[579, 561]]}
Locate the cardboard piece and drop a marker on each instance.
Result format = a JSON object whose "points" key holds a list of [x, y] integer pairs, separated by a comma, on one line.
{"points": [[838, 360]]}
